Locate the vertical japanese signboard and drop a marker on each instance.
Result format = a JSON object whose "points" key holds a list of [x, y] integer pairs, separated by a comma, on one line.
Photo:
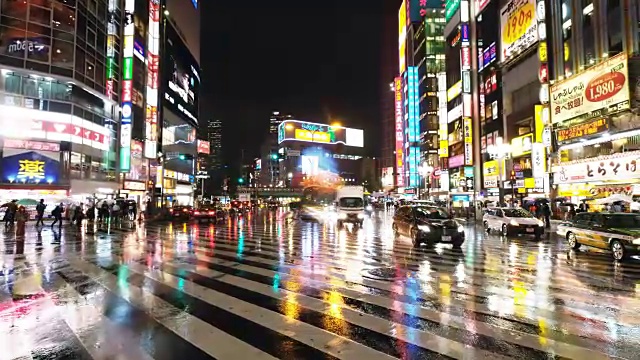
{"points": [[399, 132], [151, 112], [468, 141], [112, 30], [127, 76]]}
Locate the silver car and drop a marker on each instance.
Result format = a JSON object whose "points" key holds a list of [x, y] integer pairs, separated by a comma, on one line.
{"points": [[512, 221]]}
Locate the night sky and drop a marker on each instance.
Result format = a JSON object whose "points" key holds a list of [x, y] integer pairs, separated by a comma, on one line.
{"points": [[316, 60]]}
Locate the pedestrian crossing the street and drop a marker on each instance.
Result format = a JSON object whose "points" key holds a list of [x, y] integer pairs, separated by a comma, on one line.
{"points": [[266, 288]]}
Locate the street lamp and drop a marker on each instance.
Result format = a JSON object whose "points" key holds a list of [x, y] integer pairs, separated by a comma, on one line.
{"points": [[426, 170], [499, 152]]}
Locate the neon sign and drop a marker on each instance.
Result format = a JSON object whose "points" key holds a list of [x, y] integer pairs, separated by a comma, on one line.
{"points": [[399, 133], [31, 169], [127, 76], [151, 117]]}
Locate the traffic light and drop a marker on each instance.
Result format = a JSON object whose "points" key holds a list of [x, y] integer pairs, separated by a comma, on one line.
{"points": [[513, 175], [240, 181], [274, 156], [182, 157]]}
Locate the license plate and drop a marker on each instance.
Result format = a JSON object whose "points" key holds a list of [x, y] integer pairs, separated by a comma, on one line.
{"points": [[530, 229], [446, 238]]}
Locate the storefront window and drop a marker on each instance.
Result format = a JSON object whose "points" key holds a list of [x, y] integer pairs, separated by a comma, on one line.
{"points": [[76, 165], [11, 83]]}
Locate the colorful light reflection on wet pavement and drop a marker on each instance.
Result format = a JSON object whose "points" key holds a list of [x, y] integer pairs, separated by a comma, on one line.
{"points": [[270, 287]]}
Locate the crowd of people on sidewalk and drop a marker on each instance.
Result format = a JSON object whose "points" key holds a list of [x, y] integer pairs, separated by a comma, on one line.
{"points": [[101, 213]]}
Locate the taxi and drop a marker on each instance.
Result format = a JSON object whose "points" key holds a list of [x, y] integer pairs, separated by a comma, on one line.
{"points": [[616, 232]]}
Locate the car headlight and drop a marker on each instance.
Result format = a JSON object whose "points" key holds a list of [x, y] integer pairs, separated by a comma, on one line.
{"points": [[342, 216], [360, 216], [460, 228], [424, 228], [636, 242], [540, 223], [513, 223]]}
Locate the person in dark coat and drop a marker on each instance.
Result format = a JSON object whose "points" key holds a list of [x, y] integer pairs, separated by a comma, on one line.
{"points": [[546, 212]]}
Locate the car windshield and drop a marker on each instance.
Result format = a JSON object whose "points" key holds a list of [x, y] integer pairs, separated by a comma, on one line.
{"points": [[516, 213], [432, 213], [622, 221], [351, 202]]}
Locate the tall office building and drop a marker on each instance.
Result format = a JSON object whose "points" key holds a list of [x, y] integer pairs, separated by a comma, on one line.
{"points": [[276, 118], [58, 102], [214, 136], [388, 70], [421, 60], [592, 45]]}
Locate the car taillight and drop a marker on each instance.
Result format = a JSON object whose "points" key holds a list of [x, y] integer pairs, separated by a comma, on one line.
{"points": [[197, 213], [212, 212], [171, 211], [185, 210]]}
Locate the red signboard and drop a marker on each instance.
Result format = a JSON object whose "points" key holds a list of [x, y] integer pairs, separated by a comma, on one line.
{"points": [[30, 145], [399, 133], [203, 147], [126, 90]]}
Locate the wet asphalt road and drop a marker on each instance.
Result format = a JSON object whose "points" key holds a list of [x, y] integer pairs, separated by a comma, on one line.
{"points": [[270, 287]]}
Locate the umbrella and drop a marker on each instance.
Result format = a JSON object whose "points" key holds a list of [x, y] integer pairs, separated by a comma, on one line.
{"points": [[27, 202]]}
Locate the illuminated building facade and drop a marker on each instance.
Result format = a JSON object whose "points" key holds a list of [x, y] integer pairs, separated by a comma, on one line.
{"points": [[421, 60], [60, 93], [307, 149], [596, 142], [461, 126]]}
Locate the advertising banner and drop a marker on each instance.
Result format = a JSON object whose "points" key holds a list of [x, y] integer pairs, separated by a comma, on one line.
{"points": [[468, 141], [602, 89], [615, 167], [30, 167], [203, 147], [126, 119], [181, 75], [521, 145], [399, 121], [319, 133], [456, 161], [577, 132], [538, 160], [153, 66], [519, 28]]}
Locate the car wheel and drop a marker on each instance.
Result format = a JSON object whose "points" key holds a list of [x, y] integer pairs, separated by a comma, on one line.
{"points": [[505, 230], [415, 240], [457, 243], [394, 228], [487, 228], [573, 241], [618, 250]]}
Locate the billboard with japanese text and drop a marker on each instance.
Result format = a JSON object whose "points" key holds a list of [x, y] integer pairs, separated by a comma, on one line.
{"points": [[602, 89]]}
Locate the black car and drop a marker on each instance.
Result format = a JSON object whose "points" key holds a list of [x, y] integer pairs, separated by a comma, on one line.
{"points": [[427, 224], [181, 212], [208, 213]]}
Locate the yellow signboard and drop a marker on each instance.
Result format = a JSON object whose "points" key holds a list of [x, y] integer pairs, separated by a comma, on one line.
{"points": [[521, 145], [454, 91], [315, 136], [31, 169], [444, 149]]}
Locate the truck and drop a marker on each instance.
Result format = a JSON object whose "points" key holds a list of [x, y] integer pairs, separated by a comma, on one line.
{"points": [[350, 205]]}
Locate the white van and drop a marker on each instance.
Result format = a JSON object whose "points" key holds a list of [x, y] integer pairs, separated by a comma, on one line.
{"points": [[350, 205]]}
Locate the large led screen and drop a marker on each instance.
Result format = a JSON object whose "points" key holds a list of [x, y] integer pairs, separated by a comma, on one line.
{"points": [[181, 74], [319, 133]]}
